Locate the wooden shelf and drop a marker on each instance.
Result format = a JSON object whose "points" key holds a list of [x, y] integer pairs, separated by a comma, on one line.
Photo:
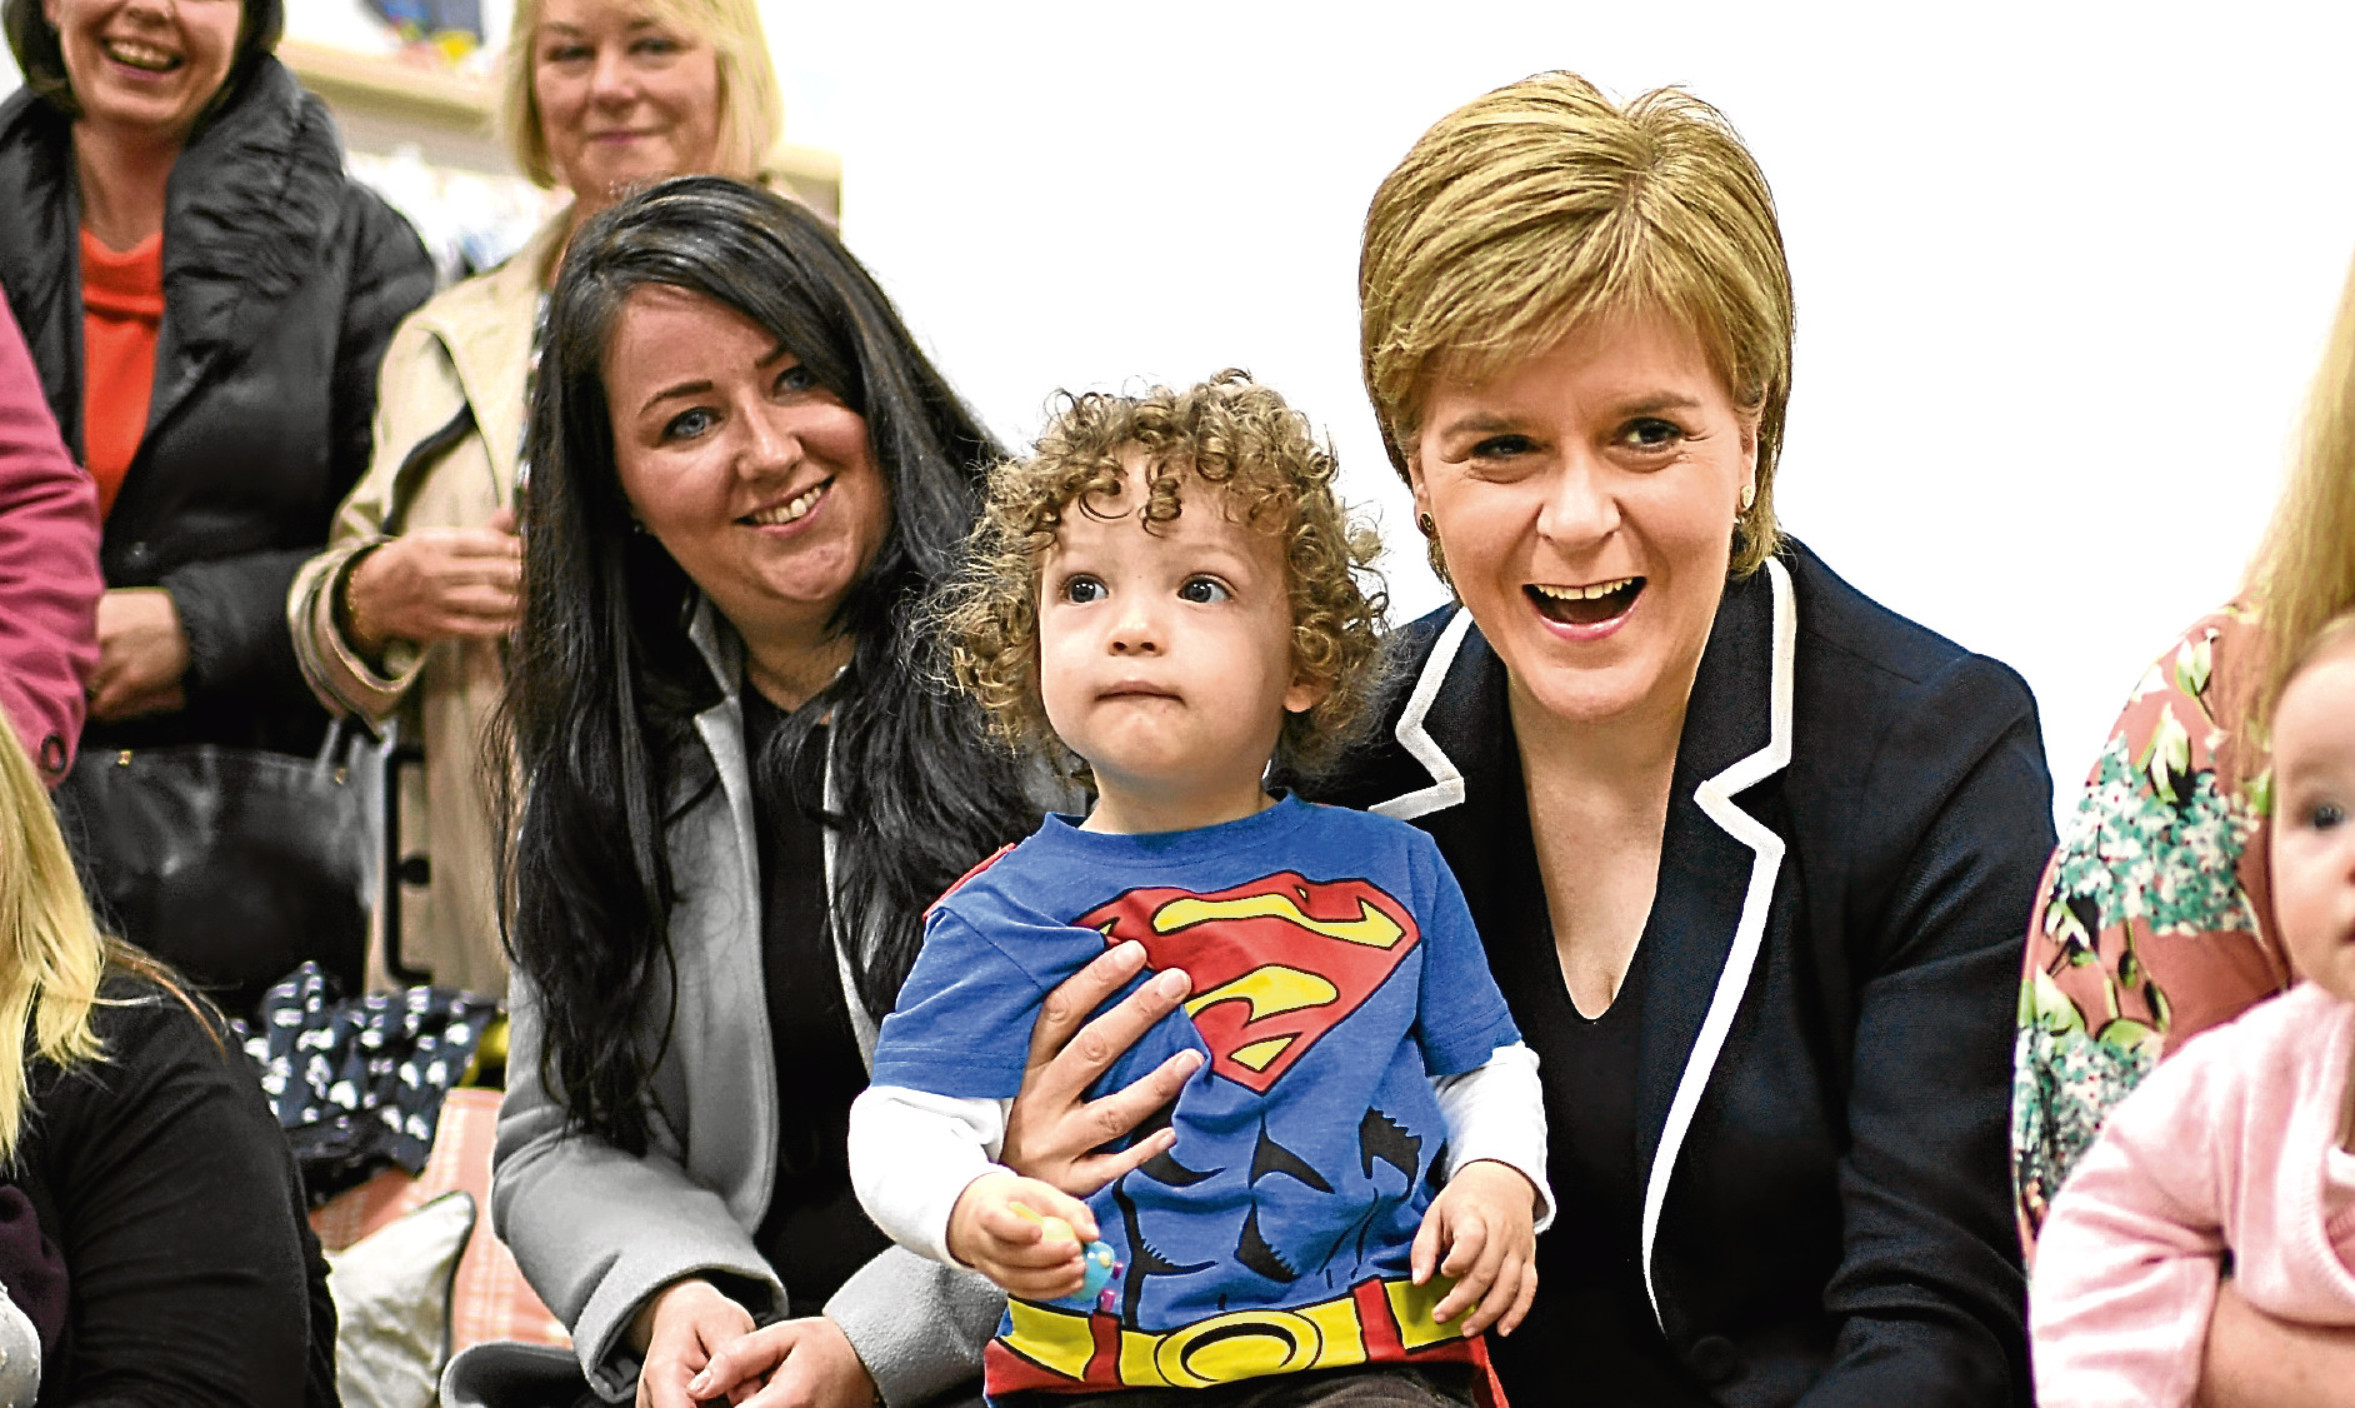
{"points": [[436, 96]]}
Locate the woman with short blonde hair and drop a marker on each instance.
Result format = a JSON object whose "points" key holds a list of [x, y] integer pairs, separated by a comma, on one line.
{"points": [[1579, 210], [1747, 850]]}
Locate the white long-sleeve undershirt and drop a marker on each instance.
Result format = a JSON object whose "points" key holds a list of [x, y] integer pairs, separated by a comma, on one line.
{"points": [[912, 1154]]}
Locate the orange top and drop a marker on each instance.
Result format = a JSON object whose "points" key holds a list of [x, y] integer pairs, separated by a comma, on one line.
{"points": [[122, 307]]}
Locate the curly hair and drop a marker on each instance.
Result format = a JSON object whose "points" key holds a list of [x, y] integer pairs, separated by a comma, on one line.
{"points": [[1276, 478]]}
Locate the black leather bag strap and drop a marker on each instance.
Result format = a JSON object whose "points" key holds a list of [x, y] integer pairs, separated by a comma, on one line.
{"points": [[419, 462]]}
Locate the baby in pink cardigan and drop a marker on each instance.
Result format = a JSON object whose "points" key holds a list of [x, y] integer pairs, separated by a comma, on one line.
{"points": [[2239, 1143]]}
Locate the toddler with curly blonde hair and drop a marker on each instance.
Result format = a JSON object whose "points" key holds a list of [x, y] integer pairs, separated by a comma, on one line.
{"points": [[1164, 596]]}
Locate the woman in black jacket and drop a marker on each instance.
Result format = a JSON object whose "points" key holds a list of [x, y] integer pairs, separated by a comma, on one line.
{"points": [[1749, 853], [166, 186]]}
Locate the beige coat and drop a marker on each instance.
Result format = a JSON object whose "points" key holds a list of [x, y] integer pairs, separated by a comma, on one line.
{"points": [[471, 345]]}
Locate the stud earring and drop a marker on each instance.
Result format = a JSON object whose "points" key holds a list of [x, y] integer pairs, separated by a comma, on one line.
{"points": [[1429, 528], [1749, 496]]}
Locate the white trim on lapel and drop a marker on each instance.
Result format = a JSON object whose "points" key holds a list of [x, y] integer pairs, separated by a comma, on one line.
{"points": [[1447, 785], [1715, 797]]}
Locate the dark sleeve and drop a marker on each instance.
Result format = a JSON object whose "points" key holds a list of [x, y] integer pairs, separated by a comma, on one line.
{"points": [[194, 1280], [233, 609], [391, 276], [1929, 1292], [49, 578]]}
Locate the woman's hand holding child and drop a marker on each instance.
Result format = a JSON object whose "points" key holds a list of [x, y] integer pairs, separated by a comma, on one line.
{"points": [[1053, 1129], [1481, 1230]]}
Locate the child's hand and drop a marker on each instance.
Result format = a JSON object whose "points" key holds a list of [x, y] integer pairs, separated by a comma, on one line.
{"points": [[998, 1229], [1483, 1223]]}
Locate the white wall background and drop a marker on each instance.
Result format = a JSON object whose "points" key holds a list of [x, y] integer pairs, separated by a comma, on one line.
{"points": [[2063, 270]]}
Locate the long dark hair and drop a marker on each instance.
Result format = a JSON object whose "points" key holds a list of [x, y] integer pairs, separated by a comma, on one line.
{"points": [[604, 684]]}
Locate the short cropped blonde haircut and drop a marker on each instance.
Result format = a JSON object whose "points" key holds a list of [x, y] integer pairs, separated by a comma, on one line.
{"points": [[2305, 572], [1544, 204], [1276, 478], [752, 108]]}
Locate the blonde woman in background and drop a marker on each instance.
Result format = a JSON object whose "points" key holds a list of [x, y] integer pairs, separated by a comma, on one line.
{"points": [[407, 618], [2155, 920], [168, 1261]]}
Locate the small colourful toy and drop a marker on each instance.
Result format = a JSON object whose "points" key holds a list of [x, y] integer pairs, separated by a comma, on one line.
{"points": [[1097, 1264]]}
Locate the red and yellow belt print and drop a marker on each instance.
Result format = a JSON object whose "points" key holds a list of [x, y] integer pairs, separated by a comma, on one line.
{"points": [[1377, 1322]]}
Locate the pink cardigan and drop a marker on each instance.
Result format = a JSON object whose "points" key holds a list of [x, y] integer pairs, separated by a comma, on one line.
{"points": [[2223, 1147], [49, 580]]}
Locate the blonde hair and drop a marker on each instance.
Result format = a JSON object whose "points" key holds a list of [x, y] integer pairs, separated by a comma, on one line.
{"points": [[1542, 205], [752, 109], [51, 956], [2305, 572], [2332, 638], [1277, 479]]}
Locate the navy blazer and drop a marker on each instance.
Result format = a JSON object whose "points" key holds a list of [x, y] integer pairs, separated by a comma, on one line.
{"points": [[1858, 821]]}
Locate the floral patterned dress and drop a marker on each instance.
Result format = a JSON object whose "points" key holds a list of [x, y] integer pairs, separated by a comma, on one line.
{"points": [[2154, 921]]}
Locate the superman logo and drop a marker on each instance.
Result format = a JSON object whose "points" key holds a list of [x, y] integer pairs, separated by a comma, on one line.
{"points": [[1276, 962]]}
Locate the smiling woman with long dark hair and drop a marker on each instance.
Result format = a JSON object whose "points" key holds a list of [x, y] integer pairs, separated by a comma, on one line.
{"points": [[739, 795]]}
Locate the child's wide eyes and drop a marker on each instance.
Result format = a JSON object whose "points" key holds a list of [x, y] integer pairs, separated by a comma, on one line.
{"points": [[1082, 590], [2326, 816], [1204, 591]]}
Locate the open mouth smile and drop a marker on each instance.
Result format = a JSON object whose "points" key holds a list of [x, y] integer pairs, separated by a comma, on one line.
{"points": [[1588, 605], [145, 57], [793, 510]]}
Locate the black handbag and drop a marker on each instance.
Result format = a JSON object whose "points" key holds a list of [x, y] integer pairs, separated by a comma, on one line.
{"points": [[232, 864]]}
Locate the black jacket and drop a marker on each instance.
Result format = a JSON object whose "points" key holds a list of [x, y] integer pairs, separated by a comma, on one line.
{"points": [[283, 281], [1859, 817]]}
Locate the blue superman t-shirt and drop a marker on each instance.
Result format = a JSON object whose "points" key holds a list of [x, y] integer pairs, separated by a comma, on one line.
{"points": [[1335, 972]]}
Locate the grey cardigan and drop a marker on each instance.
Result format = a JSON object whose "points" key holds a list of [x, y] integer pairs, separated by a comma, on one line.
{"points": [[598, 1231]]}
